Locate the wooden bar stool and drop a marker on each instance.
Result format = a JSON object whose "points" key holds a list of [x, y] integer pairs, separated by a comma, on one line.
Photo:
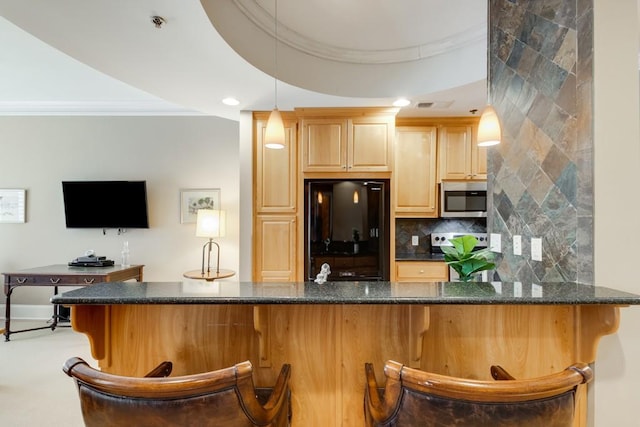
{"points": [[412, 397], [221, 398]]}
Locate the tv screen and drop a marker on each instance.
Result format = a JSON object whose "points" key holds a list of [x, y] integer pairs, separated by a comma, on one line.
{"points": [[105, 204]]}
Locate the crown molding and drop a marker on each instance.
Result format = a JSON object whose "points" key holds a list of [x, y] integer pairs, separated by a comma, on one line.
{"points": [[93, 108], [261, 18]]}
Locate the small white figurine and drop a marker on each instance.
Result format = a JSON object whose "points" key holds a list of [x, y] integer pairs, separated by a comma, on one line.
{"points": [[325, 270]]}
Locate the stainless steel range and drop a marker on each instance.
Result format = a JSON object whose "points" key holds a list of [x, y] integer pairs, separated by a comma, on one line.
{"points": [[442, 239]]}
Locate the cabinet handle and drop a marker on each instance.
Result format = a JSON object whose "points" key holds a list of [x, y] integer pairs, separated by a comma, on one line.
{"points": [[54, 281], [89, 281], [421, 271], [21, 280]]}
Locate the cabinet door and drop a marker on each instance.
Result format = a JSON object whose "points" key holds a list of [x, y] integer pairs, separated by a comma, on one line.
{"points": [[370, 144], [275, 248], [415, 172], [478, 161], [275, 171], [455, 152], [324, 145], [422, 271]]}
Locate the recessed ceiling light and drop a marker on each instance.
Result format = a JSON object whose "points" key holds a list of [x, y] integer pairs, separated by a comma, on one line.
{"points": [[401, 102], [230, 101]]}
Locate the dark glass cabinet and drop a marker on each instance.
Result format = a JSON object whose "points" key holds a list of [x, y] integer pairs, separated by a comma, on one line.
{"points": [[347, 227]]}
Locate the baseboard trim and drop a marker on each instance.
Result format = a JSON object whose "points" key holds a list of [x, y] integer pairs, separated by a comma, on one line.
{"points": [[28, 312]]}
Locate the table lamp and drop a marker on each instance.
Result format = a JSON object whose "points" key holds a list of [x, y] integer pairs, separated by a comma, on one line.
{"points": [[210, 223]]}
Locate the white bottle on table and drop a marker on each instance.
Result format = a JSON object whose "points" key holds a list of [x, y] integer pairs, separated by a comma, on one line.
{"points": [[124, 261]]}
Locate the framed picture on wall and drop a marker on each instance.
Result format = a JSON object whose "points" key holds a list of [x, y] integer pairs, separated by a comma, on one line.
{"points": [[192, 199], [12, 205]]}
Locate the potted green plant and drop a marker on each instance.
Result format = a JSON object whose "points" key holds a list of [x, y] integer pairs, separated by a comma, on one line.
{"points": [[463, 259]]}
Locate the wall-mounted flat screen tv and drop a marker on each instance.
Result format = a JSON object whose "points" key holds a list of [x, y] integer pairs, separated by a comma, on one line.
{"points": [[105, 204]]}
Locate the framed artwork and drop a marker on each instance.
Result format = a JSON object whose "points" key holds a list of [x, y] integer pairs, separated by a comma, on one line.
{"points": [[12, 205], [192, 199]]}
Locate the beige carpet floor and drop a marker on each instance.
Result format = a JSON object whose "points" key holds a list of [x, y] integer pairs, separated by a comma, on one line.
{"points": [[33, 389]]}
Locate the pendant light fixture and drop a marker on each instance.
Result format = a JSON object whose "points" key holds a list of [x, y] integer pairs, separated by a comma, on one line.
{"points": [[489, 130], [274, 136]]}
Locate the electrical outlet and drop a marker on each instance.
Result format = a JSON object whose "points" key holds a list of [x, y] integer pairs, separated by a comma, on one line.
{"points": [[517, 245], [536, 290], [517, 288], [536, 249], [415, 241], [495, 242]]}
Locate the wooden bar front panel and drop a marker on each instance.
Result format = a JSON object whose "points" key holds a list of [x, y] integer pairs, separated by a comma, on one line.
{"points": [[327, 345]]}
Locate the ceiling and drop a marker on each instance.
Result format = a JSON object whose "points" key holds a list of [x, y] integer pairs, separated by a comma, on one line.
{"points": [[107, 57]]}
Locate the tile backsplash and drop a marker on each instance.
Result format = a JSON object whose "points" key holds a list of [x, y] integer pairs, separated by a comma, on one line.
{"points": [[423, 227]]}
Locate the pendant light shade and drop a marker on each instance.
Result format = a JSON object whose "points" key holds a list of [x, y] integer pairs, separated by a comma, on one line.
{"points": [[489, 131], [274, 134]]}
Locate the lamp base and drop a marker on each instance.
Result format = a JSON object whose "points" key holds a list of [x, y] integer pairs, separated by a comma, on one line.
{"points": [[209, 276]]}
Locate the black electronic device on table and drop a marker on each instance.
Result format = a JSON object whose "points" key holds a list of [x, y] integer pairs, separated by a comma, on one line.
{"points": [[91, 261]]}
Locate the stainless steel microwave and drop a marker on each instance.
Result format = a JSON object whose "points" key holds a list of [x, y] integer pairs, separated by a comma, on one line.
{"points": [[463, 199]]}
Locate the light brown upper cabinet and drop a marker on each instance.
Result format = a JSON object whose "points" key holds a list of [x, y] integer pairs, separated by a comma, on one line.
{"points": [[275, 171], [460, 156], [346, 140], [415, 180]]}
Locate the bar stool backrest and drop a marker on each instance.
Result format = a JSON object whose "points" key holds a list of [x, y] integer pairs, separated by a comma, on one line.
{"points": [[221, 398], [412, 397]]}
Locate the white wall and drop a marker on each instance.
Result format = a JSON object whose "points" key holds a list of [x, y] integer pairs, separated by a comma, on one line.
{"points": [[170, 153], [617, 164]]}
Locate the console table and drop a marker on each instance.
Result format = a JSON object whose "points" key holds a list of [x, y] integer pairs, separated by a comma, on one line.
{"points": [[61, 275]]}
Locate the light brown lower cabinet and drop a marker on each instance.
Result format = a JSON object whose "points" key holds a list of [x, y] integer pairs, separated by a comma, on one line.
{"points": [[275, 248], [422, 271]]}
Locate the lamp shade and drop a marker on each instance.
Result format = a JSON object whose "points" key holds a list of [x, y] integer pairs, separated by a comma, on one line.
{"points": [[489, 131], [274, 136], [210, 223]]}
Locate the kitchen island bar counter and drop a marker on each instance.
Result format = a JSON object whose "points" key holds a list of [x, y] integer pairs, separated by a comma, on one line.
{"points": [[327, 332], [434, 293]]}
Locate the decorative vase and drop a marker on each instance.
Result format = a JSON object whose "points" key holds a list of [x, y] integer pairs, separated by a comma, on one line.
{"points": [[477, 277]]}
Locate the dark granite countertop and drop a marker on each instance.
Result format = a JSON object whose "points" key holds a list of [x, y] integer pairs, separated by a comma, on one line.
{"points": [[223, 292]]}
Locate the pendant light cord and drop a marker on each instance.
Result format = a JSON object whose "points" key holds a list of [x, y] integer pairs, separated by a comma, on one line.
{"points": [[488, 52], [275, 82]]}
